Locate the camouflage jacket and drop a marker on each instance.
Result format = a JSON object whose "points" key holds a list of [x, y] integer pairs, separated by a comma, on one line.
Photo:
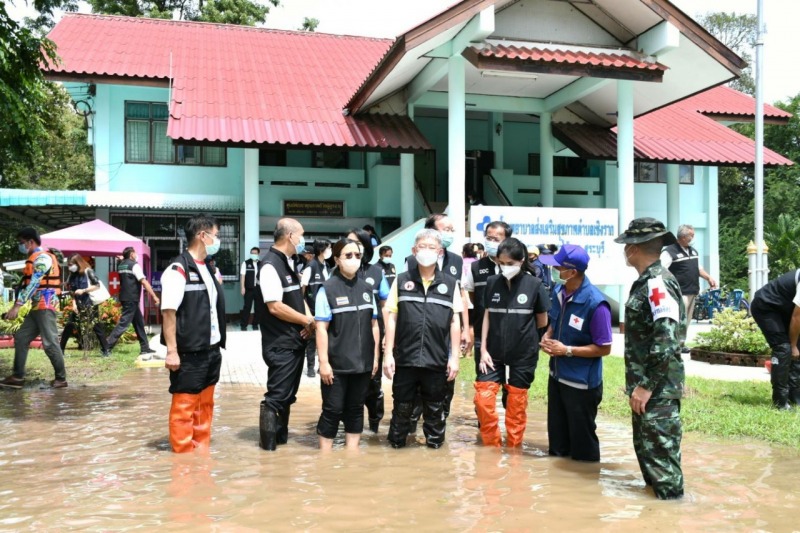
{"points": [[654, 314]]}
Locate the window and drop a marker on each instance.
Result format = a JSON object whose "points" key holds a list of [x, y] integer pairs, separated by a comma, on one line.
{"points": [[271, 158], [657, 173], [567, 167], [146, 139], [329, 159]]}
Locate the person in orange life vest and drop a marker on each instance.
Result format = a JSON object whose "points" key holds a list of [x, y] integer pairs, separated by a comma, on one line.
{"points": [[193, 311], [41, 285], [346, 313], [516, 305], [578, 338]]}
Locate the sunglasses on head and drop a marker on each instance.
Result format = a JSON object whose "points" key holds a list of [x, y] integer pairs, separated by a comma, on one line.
{"points": [[350, 255]]}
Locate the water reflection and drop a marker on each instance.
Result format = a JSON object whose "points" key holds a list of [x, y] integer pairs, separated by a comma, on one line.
{"points": [[97, 458]]}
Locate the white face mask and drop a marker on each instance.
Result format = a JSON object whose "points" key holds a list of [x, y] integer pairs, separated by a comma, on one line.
{"points": [[73, 268], [427, 257], [509, 271], [327, 254], [387, 260], [350, 266]]}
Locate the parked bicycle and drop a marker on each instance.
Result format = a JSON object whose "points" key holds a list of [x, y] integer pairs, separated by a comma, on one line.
{"points": [[712, 301]]}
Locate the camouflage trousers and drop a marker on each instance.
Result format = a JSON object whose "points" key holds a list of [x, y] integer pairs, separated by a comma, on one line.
{"points": [[657, 442]]}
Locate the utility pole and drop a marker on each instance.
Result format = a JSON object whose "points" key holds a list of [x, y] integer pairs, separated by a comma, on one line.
{"points": [[760, 274]]}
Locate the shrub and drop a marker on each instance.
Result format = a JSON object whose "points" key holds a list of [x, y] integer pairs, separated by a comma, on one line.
{"points": [[733, 331], [9, 327]]}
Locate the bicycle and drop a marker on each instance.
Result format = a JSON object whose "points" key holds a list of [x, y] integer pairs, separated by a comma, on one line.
{"points": [[712, 301]]}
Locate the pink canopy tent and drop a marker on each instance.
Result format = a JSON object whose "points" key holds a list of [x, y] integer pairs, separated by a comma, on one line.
{"points": [[96, 238]]}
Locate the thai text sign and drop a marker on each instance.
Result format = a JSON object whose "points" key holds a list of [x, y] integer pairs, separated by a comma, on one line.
{"points": [[313, 208], [593, 229]]}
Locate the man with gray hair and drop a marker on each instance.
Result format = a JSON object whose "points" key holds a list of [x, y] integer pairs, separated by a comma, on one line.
{"points": [[683, 261], [422, 311]]}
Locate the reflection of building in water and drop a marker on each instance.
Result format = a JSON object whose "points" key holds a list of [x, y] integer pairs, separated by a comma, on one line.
{"points": [[346, 131]]}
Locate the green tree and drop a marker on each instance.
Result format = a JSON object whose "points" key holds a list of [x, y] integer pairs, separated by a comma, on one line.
{"points": [[309, 24], [739, 33], [242, 12]]}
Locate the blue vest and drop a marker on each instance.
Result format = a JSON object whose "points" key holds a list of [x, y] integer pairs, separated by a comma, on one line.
{"points": [[571, 322]]}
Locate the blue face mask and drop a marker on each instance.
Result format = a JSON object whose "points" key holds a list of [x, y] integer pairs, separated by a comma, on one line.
{"points": [[22, 248], [300, 246], [447, 239], [213, 248], [254, 257], [491, 248]]}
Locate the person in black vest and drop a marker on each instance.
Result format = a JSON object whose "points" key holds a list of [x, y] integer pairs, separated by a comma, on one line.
{"points": [[374, 277], [193, 310], [286, 326], [311, 280], [131, 279], [515, 307], [578, 338], [389, 270], [776, 310], [684, 262], [422, 315], [248, 276], [348, 343]]}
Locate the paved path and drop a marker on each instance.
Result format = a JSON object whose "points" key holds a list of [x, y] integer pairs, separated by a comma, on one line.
{"points": [[242, 364]]}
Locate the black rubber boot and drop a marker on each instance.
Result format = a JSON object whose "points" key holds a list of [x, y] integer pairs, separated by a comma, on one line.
{"points": [[268, 428], [400, 425], [434, 424], [376, 412], [794, 382], [779, 376], [282, 436], [450, 391], [416, 413]]}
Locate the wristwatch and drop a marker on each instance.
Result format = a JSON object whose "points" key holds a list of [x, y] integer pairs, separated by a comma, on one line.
{"points": [[569, 353]]}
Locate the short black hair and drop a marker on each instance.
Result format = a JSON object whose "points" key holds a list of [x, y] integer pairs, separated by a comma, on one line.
{"points": [[196, 224], [366, 243], [430, 222], [256, 248], [126, 253], [499, 224], [29, 233], [383, 249], [320, 245]]}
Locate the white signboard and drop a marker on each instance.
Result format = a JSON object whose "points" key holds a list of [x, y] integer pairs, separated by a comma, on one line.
{"points": [[593, 229]]}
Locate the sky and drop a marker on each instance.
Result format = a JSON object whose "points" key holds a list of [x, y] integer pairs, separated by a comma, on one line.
{"points": [[390, 18]]}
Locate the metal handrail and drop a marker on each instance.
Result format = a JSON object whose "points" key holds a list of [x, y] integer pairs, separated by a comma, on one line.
{"points": [[418, 188], [497, 189]]}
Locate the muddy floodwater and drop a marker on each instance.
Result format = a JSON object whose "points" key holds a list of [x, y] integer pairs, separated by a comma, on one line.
{"points": [[96, 458]]}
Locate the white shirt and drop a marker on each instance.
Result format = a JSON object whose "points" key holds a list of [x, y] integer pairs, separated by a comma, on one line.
{"points": [[468, 282], [137, 272], [305, 276], [173, 286]]}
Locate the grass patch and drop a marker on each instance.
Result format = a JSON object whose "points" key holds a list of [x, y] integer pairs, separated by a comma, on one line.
{"points": [[92, 368], [711, 407]]}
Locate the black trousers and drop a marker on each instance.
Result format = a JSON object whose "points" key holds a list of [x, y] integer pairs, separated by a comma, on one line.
{"points": [[130, 315], [785, 374], [431, 385], [198, 370], [285, 368], [343, 400], [520, 376], [571, 426], [74, 323], [251, 296]]}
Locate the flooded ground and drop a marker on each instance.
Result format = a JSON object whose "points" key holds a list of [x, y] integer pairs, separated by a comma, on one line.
{"points": [[96, 458]]}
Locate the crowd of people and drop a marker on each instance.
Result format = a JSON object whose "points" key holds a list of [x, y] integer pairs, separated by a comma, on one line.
{"points": [[363, 320]]}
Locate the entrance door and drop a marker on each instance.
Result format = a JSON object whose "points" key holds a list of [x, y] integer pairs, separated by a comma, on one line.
{"points": [[162, 251]]}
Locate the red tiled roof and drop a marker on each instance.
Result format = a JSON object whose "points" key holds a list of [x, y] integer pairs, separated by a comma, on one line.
{"points": [[548, 55], [679, 133], [236, 84], [723, 100]]}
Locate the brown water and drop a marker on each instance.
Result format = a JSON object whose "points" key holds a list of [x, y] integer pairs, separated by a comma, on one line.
{"points": [[96, 458]]}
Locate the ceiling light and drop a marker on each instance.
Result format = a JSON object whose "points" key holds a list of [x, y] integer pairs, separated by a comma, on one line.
{"points": [[508, 74]]}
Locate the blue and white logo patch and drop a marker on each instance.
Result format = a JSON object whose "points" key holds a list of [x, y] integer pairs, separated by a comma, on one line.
{"points": [[442, 288], [453, 270], [366, 297], [522, 298], [342, 300]]}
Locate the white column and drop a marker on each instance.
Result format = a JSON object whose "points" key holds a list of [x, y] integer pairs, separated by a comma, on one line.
{"points": [[625, 199], [673, 198], [712, 219], [407, 183], [456, 143], [546, 150], [251, 201], [496, 125]]}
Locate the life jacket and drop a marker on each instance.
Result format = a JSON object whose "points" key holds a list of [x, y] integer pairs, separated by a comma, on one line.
{"points": [[51, 280]]}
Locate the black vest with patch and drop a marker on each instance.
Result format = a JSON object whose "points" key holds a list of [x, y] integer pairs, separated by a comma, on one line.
{"points": [[779, 293], [423, 320], [685, 267], [275, 333], [129, 288], [251, 269], [351, 345], [315, 281], [513, 337], [482, 270]]}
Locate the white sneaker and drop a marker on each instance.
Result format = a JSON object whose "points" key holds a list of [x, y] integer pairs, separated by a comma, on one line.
{"points": [[159, 357], [146, 356]]}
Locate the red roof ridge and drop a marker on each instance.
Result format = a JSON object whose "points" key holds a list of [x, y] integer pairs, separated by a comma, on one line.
{"points": [[232, 27]]}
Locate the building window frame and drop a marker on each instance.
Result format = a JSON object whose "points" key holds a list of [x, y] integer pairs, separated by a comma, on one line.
{"points": [[650, 172]]}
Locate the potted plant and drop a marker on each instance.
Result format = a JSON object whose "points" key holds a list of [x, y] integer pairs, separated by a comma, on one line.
{"points": [[9, 327], [734, 339]]}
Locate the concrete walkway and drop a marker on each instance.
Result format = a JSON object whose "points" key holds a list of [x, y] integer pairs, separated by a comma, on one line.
{"points": [[242, 364]]}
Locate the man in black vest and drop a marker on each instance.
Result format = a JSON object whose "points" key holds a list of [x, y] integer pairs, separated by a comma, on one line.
{"points": [[776, 310], [684, 263], [286, 326], [389, 271], [422, 314], [131, 280], [249, 284], [193, 331]]}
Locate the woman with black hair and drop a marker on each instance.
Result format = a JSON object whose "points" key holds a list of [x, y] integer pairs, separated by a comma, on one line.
{"points": [[311, 279], [347, 341], [516, 305], [374, 277], [82, 280]]}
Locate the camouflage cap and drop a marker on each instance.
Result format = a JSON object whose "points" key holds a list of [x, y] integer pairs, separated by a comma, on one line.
{"points": [[645, 229]]}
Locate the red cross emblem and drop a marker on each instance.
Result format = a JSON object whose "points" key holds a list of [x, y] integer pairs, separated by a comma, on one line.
{"points": [[656, 296], [576, 320], [113, 283]]}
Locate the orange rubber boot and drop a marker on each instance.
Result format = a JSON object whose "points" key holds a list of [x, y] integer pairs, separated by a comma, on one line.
{"points": [[486, 408], [516, 415], [181, 415], [202, 417]]}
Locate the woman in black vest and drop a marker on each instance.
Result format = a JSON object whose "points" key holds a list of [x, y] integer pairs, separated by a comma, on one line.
{"points": [[516, 305], [311, 280], [347, 343], [81, 282]]}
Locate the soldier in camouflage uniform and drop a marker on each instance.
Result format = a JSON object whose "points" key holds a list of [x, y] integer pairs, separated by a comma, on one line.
{"points": [[654, 374]]}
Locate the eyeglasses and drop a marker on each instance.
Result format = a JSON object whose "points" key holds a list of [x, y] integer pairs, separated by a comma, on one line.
{"points": [[350, 255]]}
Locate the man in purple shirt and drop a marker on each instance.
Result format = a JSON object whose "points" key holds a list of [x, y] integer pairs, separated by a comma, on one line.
{"points": [[578, 337]]}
